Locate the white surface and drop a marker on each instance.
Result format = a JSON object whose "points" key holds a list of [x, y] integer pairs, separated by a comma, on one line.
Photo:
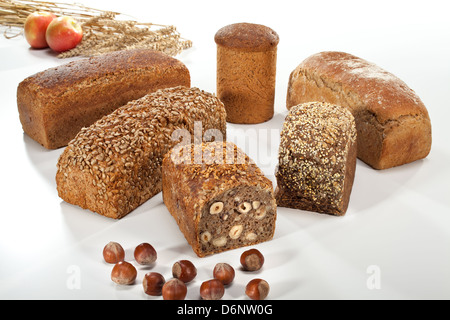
{"points": [[397, 224]]}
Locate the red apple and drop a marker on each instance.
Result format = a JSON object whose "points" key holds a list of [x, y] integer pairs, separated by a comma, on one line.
{"points": [[35, 27], [63, 33]]}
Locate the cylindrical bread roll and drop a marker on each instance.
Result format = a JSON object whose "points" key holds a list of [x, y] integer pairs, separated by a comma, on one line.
{"points": [[246, 71], [56, 103], [393, 124], [317, 158], [218, 196], [114, 165]]}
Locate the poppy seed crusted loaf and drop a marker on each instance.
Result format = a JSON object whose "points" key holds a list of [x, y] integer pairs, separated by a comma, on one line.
{"points": [[114, 165], [218, 196], [317, 158], [56, 103], [393, 124]]}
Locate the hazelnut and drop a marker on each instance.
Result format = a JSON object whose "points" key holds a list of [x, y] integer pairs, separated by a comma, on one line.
{"points": [[256, 204], [252, 260], [235, 231], [260, 213], [145, 254], [220, 241], [174, 289], [205, 237], [184, 270], [257, 289], [212, 290], [224, 272], [123, 273], [251, 236], [216, 207], [113, 252], [244, 207], [153, 283]]}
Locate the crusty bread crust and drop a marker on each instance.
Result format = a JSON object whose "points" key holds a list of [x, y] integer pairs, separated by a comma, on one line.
{"points": [[247, 37], [393, 124], [114, 165], [56, 103]]}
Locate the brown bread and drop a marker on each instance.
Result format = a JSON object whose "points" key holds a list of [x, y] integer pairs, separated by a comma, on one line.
{"points": [[246, 70], [114, 165], [56, 103], [218, 196], [393, 124], [317, 158]]}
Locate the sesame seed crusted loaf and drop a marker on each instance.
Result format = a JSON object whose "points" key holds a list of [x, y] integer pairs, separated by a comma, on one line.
{"points": [[56, 103], [317, 158], [246, 71], [218, 196], [393, 124], [114, 165]]}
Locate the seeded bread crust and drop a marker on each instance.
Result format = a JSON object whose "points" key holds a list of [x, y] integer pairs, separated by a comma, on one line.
{"points": [[246, 71], [393, 124], [317, 158], [56, 103], [114, 165], [218, 196]]}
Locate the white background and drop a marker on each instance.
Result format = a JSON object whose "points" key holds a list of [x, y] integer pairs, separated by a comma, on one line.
{"points": [[397, 223]]}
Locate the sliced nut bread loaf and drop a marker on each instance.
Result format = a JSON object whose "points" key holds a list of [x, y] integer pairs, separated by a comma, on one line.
{"points": [[218, 196]]}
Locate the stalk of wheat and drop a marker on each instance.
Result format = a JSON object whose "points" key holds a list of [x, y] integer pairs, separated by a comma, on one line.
{"points": [[103, 31]]}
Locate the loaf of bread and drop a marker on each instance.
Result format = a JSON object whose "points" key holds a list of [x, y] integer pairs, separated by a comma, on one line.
{"points": [[218, 196], [55, 104], [114, 165], [317, 158], [246, 69], [392, 122]]}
